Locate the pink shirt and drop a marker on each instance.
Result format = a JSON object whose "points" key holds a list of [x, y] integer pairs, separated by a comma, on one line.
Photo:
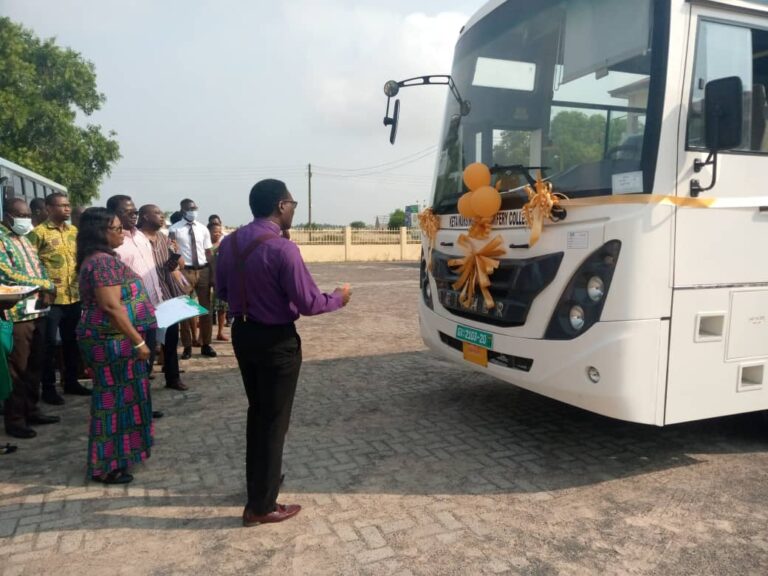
{"points": [[136, 253]]}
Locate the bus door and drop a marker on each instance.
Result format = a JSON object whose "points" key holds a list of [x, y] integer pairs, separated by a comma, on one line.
{"points": [[719, 329]]}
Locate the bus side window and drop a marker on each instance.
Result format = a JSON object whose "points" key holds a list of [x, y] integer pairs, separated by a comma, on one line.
{"points": [[29, 190], [759, 116], [18, 189], [724, 50]]}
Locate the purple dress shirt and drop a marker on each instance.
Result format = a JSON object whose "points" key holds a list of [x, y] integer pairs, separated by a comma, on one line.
{"points": [[280, 288]]}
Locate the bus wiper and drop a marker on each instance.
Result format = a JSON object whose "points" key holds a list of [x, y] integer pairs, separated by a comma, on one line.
{"points": [[518, 169]]}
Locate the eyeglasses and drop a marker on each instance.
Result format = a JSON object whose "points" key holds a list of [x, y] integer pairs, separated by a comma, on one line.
{"points": [[294, 202], [117, 229]]}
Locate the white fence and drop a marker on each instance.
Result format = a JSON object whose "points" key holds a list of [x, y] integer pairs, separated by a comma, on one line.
{"points": [[348, 244]]}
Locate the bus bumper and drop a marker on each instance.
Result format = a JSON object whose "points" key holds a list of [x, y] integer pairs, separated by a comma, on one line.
{"points": [[630, 357]]}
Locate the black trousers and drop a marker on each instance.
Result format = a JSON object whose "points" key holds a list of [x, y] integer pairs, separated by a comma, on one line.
{"points": [[25, 364], [150, 339], [171, 354], [62, 319], [269, 358]]}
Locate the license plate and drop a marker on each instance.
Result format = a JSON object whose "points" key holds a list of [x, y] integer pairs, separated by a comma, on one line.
{"points": [[476, 337], [475, 354]]}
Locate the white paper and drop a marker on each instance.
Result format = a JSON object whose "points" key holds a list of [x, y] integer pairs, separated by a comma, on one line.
{"points": [[578, 240], [30, 306], [175, 310], [627, 182]]}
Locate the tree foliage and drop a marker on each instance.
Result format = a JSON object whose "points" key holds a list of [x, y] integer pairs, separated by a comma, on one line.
{"points": [[396, 219], [42, 89], [574, 138], [357, 225]]}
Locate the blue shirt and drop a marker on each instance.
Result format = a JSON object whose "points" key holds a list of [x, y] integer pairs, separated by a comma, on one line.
{"points": [[280, 288]]}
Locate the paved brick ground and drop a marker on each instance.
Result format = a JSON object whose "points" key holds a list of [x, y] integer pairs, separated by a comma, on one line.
{"points": [[404, 463]]}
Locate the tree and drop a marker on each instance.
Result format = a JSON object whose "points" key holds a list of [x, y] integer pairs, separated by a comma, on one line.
{"points": [[397, 219], [357, 225], [42, 88], [575, 138]]}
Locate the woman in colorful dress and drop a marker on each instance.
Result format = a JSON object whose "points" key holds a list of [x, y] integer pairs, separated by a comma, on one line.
{"points": [[219, 307], [116, 313]]}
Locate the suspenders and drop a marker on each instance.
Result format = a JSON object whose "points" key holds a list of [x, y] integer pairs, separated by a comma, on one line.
{"points": [[240, 260]]}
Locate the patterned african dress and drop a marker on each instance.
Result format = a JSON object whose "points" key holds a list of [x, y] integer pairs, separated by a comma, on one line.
{"points": [[120, 430]]}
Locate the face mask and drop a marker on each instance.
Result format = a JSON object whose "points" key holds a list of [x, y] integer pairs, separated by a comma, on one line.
{"points": [[22, 226], [190, 216]]}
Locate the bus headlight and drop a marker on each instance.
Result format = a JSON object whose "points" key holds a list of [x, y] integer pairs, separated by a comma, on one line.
{"points": [[595, 288], [583, 298], [576, 317]]}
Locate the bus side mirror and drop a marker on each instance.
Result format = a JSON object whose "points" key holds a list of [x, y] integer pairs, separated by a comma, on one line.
{"points": [[723, 102], [392, 121], [723, 113]]}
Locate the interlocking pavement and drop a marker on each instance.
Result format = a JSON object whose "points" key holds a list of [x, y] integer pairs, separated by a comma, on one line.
{"points": [[404, 463]]}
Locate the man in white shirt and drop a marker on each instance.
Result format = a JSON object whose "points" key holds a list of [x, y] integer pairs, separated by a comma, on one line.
{"points": [[194, 242]]}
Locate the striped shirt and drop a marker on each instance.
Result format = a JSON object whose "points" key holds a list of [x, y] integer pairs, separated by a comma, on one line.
{"points": [[161, 250]]}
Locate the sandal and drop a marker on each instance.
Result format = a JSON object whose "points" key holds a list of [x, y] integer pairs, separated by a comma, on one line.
{"points": [[116, 477], [8, 449]]}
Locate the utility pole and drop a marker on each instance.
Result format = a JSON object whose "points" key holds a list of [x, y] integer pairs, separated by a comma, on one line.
{"points": [[309, 189]]}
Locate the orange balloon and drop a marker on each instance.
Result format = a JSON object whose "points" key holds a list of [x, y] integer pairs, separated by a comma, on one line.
{"points": [[477, 175], [465, 206], [486, 201]]}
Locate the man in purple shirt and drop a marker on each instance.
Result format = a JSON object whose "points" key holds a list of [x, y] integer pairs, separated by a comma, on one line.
{"points": [[263, 278]]}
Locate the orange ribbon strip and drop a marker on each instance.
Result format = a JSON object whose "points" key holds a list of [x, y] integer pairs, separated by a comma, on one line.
{"points": [[475, 268], [429, 223]]}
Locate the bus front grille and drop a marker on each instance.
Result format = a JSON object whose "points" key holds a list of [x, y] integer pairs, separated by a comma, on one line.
{"points": [[514, 286]]}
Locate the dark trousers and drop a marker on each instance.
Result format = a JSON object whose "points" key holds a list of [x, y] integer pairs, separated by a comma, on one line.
{"points": [[171, 354], [150, 339], [25, 364], [269, 358], [63, 319]]}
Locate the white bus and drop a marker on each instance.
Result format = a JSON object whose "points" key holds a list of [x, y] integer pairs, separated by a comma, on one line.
{"points": [[18, 181], [630, 306]]}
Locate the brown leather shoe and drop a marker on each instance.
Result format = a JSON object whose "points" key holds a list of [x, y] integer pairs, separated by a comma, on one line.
{"points": [[177, 385], [277, 515]]}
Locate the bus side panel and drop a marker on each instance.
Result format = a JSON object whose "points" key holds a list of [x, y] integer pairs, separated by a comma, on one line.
{"points": [[718, 353]]}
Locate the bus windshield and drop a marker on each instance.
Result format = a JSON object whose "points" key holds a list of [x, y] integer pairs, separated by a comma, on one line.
{"points": [[557, 87]]}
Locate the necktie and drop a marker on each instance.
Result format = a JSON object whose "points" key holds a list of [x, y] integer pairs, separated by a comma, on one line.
{"points": [[193, 245]]}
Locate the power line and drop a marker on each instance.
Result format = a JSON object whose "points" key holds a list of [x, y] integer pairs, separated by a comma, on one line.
{"points": [[242, 173], [411, 157]]}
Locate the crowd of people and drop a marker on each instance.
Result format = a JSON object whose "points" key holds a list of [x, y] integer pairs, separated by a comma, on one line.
{"points": [[100, 274], [47, 245]]}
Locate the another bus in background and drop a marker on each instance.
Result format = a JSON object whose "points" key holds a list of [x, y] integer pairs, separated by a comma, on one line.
{"points": [[17, 181]]}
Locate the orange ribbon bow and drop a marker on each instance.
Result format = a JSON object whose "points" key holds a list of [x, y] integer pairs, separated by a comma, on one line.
{"points": [[475, 268], [429, 223], [539, 206]]}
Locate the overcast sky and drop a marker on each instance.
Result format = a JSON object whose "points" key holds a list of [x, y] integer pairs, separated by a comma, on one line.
{"points": [[209, 96]]}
